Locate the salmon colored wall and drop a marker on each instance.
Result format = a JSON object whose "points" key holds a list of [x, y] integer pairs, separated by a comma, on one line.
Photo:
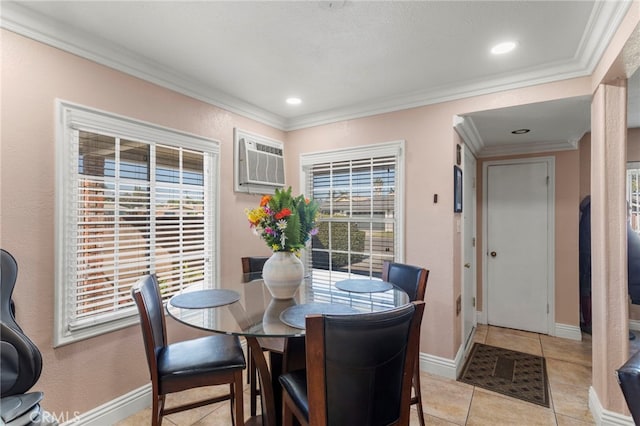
{"points": [[567, 175], [429, 158], [430, 229], [100, 369], [84, 375]]}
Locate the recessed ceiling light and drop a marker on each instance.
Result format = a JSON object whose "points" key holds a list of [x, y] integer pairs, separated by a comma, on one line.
{"points": [[334, 4], [521, 131], [503, 47], [294, 101]]}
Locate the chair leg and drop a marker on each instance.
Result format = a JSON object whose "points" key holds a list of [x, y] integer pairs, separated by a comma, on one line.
{"points": [[253, 387], [237, 400], [287, 415], [232, 402], [418, 396], [248, 363], [157, 410]]}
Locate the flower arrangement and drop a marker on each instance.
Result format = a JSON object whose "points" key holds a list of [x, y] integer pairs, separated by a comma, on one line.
{"points": [[285, 222]]}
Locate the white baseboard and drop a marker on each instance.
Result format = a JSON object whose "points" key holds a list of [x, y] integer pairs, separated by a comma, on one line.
{"points": [[137, 400], [439, 366], [561, 330], [604, 417], [568, 331], [115, 410], [444, 367], [126, 405]]}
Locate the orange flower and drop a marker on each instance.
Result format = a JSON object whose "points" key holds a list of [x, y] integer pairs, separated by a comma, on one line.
{"points": [[283, 213], [265, 200]]}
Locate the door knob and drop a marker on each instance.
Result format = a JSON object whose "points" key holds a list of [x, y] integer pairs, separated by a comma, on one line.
{"points": [[493, 254], [467, 265]]}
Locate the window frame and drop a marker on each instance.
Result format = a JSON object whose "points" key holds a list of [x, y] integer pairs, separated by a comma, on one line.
{"points": [[632, 173], [70, 120], [393, 148]]}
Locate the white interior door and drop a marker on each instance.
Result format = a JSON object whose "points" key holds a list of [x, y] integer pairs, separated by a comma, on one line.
{"points": [[469, 247], [517, 255]]}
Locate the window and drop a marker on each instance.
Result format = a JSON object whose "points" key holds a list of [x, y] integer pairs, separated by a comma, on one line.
{"points": [[360, 196], [633, 194], [133, 199]]}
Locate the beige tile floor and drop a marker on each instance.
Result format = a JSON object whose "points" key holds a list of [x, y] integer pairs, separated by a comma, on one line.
{"points": [[448, 402]]}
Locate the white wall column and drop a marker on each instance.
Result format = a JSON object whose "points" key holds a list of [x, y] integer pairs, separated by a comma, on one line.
{"points": [[609, 241]]}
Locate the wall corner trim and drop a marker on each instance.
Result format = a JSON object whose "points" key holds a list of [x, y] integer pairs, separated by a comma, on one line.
{"points": [[567, 331], [604, 417], [439, 366]]}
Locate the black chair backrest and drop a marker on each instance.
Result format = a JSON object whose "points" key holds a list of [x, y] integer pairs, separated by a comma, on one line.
{"points": [[8, 276], [21, 361], [146, 294], [365, 358], [253, 263], [411, 279]]}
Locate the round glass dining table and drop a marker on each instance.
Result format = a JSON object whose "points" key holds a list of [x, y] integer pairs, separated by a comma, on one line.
{"points": [[248, 310]]}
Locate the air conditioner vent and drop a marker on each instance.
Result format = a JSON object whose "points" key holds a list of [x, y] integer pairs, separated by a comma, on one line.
{"points": [[269, 149], [259, 163]]}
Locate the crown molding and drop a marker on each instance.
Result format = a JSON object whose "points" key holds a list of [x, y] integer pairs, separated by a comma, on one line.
{"points": [[605, 19], [468, 131], [533, 148], [545, 74], [33, 25]]}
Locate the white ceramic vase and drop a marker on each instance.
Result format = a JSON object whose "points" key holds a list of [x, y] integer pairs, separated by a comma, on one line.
{"points": [[271, 319], [282, 274]]}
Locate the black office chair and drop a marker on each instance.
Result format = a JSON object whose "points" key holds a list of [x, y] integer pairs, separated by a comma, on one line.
{"points": [[629, 380], [359, 369], [21, 361], [413, 280], [206, 361]]}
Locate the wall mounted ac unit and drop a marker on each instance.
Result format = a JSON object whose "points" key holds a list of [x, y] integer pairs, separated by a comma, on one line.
{"points": [[259, 164]]}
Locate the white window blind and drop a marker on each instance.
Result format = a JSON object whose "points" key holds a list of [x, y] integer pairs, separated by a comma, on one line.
{"points": [[360, 198], [134, 202]]}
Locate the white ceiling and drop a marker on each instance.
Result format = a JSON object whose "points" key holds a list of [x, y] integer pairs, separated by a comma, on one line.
{"points": [[345, 59]]}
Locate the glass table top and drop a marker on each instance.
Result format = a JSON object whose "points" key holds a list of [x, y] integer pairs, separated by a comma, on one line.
{"points": [[257, 314]]}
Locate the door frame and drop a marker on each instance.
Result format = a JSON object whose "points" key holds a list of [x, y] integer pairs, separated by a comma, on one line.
{"points": [[551, 329], [470, 159]]}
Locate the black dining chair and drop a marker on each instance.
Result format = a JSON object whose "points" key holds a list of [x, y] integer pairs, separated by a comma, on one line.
{"points": [[251, 264], [359, 369], [413, 280], [206, 361]]}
